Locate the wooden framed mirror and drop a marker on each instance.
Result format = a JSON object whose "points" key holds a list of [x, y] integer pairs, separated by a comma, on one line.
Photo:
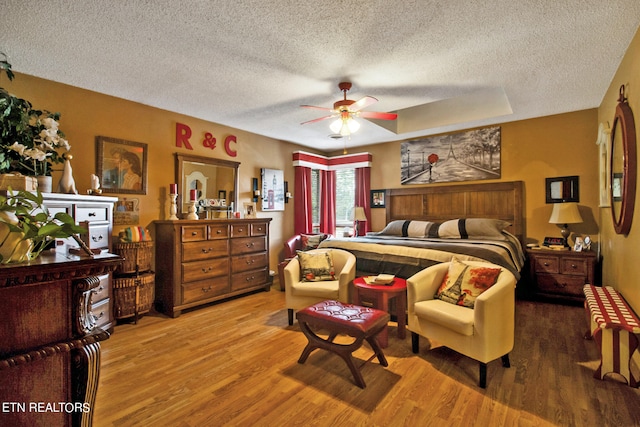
{"points": [[623, 168], [209, 177]]}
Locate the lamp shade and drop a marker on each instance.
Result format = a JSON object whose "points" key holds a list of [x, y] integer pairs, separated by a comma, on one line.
{"points": [[565, 213], [358, 214], [344, 126]]}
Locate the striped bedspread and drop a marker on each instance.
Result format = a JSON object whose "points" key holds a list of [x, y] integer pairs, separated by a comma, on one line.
{"points": [[405, 256]]}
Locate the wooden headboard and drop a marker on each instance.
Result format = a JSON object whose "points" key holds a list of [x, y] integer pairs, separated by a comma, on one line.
{"points": [[498, 200]]}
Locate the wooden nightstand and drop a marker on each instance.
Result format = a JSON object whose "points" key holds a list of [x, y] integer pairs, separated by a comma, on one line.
{"points": [[560, 274]]}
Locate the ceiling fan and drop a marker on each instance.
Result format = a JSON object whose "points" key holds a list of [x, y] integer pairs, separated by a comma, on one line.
{"points": [[346, 110]]}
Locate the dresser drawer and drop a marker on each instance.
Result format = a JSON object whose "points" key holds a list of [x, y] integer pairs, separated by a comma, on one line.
{"points": [[547, 264], [91, 213], [574, 266], [560, 284], [102, 290], [204, 289], [200, 270], [249, 279], [97, 236], [195, 251], [259, 229], [193, 233], [102, 311], [218, 231], [240, 230], [248, 245], [249, 262]]}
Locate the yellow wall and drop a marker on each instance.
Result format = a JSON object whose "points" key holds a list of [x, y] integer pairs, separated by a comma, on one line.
{"points": [[621, 268], [531, 151]]}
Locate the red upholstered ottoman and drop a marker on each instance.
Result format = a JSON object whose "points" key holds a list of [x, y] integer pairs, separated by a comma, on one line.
{"points": [[361, 323]]}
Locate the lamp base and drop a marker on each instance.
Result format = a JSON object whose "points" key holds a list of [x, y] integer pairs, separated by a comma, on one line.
{"points": [[565, 234]]}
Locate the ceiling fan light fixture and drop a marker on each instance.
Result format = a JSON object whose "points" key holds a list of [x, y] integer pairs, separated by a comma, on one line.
{"points": [[344, 126]]}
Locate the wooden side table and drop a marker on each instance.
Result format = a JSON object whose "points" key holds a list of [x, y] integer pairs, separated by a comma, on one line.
{"points": [[561, 274], [380, 295]]}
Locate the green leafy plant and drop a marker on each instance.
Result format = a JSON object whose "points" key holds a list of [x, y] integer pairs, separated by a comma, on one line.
{"points": [[30, 141], [24, 213]]}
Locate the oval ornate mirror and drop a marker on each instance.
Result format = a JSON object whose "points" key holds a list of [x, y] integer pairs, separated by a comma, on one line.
{"points": [[211, 178], [623, 166]]}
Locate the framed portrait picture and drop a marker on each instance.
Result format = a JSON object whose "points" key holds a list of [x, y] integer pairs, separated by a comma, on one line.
{"points": [[377, 199], [272, 192], [121, 165], [249, 209], [616, 187]]}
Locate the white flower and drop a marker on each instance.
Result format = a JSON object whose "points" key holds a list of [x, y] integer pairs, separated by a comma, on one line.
{"points": [[17, 147], [50, 123], [35, 154]]}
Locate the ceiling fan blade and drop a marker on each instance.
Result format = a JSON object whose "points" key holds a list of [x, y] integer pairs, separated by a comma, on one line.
{"points": [[319, 119], [377, 115], [317, 108], [362, 103]]}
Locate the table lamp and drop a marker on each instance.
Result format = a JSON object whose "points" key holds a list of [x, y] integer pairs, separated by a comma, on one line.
{"points": [[358, 217], [565, 214]]}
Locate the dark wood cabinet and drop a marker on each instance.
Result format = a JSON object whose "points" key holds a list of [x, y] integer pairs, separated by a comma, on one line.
{"points": [[201, 261], [560, 274], [50, 339]]}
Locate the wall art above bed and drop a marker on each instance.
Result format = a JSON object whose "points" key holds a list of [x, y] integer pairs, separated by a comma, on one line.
{"points": [[466, 156]]}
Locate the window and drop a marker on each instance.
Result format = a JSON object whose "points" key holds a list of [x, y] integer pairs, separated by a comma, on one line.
{"points": [[345, 198]]}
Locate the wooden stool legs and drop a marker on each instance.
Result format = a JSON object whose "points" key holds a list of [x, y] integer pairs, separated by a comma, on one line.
{"points": [[342, 350]]}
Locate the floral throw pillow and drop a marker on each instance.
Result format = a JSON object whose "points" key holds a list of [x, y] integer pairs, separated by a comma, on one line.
{"points": [[317, 266], [311, 241], [463, 283]]}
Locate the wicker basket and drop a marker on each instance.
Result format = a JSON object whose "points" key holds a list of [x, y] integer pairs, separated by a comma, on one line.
{"points": [[137, 256], [133, 295]]}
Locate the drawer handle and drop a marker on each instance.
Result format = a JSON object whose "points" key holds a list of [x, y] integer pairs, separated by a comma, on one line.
{"points": [[251, 261], [204, 270], [219, 232], [248, 279], [194, 233], [574, 266], [92, 214], [250, 245], [96, 238], [546, 264], [240, 230], [206, 251], [205, 290], [99, 316]]}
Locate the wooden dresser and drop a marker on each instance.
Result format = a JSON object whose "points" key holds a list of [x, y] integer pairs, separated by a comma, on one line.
{"points": [[560, 274], [95, 213], [49, 340], [200, 261]]}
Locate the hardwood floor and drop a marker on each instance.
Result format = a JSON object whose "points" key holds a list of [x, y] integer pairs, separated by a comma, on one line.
{"points": [[235, 363]]}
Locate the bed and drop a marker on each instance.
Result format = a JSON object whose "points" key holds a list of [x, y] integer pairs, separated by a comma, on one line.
{"points": [[429, 225]]}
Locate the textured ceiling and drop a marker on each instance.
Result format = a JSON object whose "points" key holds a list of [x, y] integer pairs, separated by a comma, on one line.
{"points": [[443, 66]]}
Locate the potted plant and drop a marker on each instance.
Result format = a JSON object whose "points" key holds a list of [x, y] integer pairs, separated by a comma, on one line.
{"points": [[26, 228], [30, 140]]}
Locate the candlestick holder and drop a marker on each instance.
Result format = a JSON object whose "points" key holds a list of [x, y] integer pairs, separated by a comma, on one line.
{"points": [[192, 210], [173, 209]]}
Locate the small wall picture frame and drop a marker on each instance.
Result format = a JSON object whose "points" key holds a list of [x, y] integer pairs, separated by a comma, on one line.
{"points": [[377, 199], [562, 189], [121, 165], [249, 209]]}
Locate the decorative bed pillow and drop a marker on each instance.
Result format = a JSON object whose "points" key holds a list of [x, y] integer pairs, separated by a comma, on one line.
{"points": [[405, 228], [462, 284], [316, 266], [473, 228], [311, 241]]}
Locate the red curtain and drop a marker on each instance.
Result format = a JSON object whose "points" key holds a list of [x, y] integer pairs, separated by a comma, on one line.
{"points": [[302, 202], [363, 187], [327, 202]]}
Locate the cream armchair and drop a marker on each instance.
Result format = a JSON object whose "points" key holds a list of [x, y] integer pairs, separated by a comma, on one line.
{"points": [[300, 294], [484, 333]]}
